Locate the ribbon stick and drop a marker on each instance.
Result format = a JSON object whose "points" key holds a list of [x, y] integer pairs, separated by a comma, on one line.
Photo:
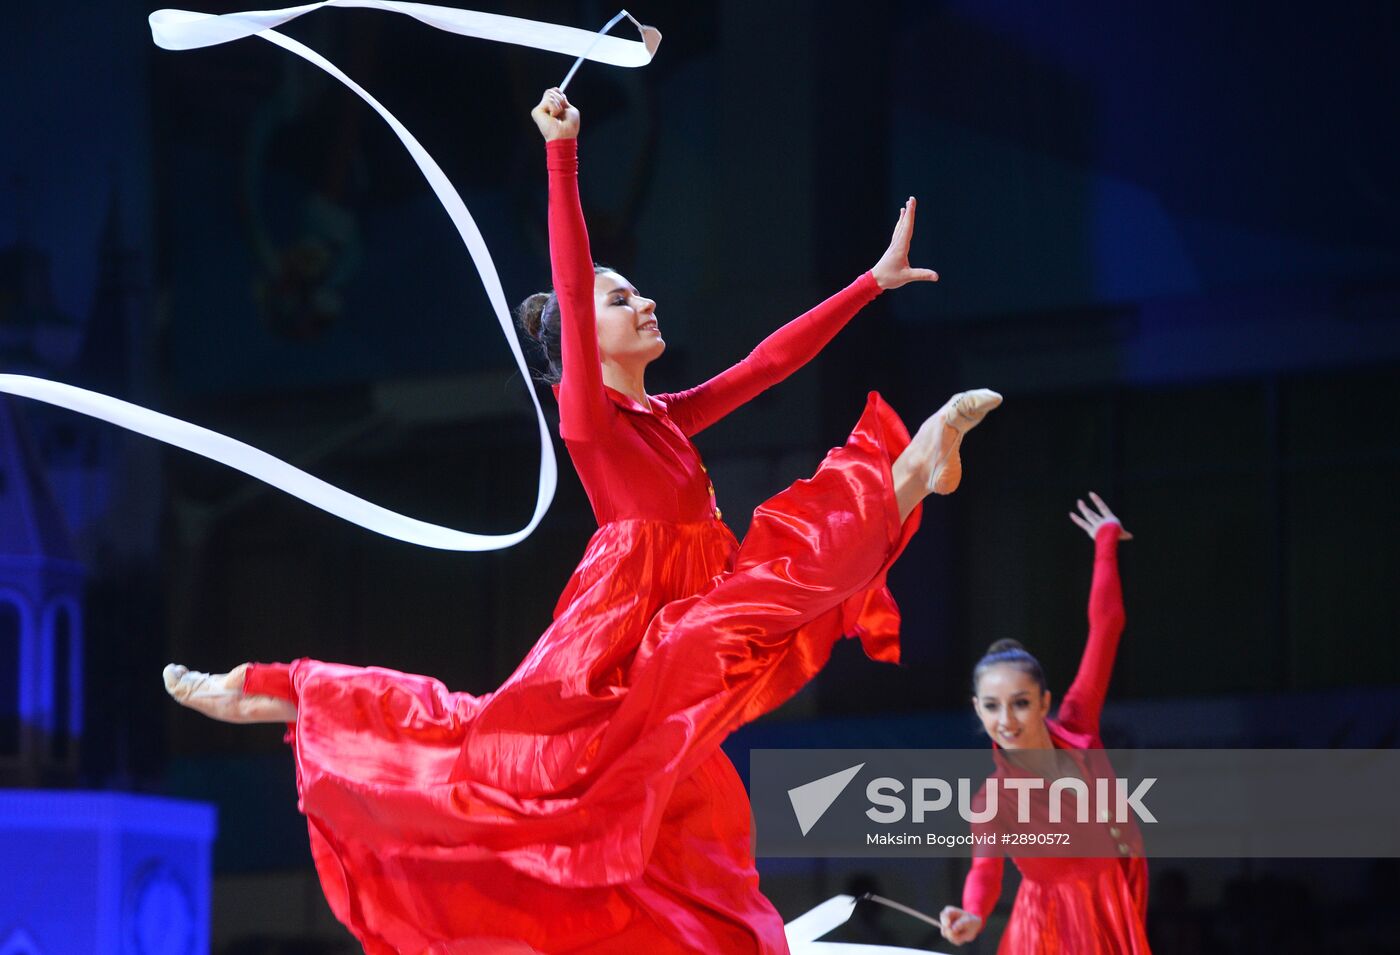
{"points": [[187, 30], [900, 907], [650, 36]]}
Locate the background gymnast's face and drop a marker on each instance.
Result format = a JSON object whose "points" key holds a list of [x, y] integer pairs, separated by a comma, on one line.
{"points": [[1013, 708], [628, 332]]}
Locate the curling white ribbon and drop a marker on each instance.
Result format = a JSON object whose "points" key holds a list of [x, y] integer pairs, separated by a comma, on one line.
{"points": [[186, 30], [813, 924], [802, 932]]}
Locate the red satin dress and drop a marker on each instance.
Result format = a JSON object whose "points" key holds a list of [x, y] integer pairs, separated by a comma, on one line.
{"points": [[585, 806], [1089, 906]]}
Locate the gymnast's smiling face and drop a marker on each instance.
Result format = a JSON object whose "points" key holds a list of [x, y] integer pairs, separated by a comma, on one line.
{"points": [[628, 333], [1013, 707]]}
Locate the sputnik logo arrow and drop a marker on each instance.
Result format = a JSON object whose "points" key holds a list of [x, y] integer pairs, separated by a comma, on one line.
{"points": [[810, 801]]}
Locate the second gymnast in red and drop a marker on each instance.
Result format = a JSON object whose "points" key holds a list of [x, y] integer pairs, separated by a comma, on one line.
{"points": [[1079, 906]]}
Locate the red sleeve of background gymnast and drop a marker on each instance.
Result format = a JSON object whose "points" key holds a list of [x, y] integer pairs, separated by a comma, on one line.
{"points": [[1084, 701], [269, 679], [584, 407], [776, 357], [983, 886]]}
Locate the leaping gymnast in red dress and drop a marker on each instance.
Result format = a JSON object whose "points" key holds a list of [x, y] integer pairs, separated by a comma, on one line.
{"points": [[1084, 906], [585, 805]]}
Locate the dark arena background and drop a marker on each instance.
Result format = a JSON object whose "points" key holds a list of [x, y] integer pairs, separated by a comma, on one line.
{"points": [[1169, 234]]}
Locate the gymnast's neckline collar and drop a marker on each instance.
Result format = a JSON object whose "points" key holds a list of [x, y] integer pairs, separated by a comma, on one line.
{"points": [[628, 403]]}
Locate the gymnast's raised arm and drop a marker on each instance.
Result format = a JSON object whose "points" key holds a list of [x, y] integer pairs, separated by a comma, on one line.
{"points": [[800, 340], [584, 408], [1084, 700]]}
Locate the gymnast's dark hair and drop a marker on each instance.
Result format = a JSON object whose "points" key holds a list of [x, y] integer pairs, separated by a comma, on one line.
{"points": [[538, 317], [1012, 653]]}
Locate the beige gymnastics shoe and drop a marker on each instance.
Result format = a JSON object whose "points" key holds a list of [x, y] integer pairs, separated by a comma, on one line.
{"points": [[220, 696], [963, 412]]}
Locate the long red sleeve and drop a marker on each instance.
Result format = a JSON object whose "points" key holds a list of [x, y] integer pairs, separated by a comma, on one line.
{"points": [[776, 357], [584, 407], [1084, 701], [983, 886], [269, 679]]}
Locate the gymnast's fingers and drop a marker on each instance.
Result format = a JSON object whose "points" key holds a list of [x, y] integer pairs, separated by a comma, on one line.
{"points": [[965, 929], [906, 222], [946, 918], [1098, 502], [898, 225]]}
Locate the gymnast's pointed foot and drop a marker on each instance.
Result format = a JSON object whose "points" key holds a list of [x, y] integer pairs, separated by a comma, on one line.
{"points": [[931, 464], [963, 412], [220, 696]]}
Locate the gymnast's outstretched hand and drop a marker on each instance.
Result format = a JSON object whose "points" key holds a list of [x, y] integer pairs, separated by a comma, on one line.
{"points": [[1090, 520], [555, 117], [893, 269]]}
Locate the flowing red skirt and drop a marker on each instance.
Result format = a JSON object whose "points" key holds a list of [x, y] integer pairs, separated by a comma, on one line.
{"points": [[585, 806], [1079, 907]]}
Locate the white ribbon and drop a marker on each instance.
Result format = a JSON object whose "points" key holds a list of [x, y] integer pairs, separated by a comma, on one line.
{"points": [[187, 30], [804, 931]]}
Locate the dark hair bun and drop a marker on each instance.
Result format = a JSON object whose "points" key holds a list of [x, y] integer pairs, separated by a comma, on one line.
{"points": [[530, 314], [1009, 653]]}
